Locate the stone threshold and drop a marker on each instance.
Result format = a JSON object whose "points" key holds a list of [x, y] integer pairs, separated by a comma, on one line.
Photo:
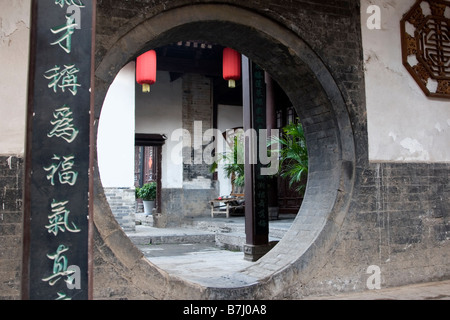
{"points": [[228, 234]]}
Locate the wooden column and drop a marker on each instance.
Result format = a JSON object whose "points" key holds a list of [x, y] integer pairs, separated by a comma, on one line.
{"points": [[271, 124], [256, 201], [270, 104]]}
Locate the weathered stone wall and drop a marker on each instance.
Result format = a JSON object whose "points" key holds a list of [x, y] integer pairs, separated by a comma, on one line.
{"points": [[356, 214], [398, 220], [181, 205], [11, 220]]}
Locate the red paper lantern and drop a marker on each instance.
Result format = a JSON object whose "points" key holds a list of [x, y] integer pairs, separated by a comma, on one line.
{"points": [[231, 66], [146, 70]]}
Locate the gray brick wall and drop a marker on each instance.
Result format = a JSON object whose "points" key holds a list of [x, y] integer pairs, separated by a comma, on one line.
{"points": [[11, 188], [123, 206], [399, 220]]}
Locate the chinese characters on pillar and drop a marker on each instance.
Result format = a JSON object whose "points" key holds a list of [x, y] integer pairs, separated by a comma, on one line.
{"points": [[60, 150], [63, 78], [63, 126], [259, 123], [59, 219]]}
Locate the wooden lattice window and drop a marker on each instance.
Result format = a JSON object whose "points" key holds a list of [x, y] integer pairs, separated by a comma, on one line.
{"points": [[425, 31]]}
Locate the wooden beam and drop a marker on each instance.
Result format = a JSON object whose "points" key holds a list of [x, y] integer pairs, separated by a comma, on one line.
{"points": [[185, 65]]}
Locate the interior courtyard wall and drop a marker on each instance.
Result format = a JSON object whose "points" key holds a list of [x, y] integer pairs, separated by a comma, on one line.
{"points": [[199, 187], [115, 128], [116, 133], [160, 112], [172, 109], [115, 147]]}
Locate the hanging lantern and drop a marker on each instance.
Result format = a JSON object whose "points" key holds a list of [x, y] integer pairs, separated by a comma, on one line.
{"points": [[231, 66], [146, 70]]}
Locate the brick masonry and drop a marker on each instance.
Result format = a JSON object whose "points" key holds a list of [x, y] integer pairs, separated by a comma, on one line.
{"points": [[399, 220], [123, 206], [11, 188]]}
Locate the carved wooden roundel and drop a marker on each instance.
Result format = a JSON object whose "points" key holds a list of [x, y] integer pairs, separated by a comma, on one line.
{"points": [[425, 31]]}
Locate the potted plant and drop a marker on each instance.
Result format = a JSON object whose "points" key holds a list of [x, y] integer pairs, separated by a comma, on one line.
{"points": [[148, 195]]}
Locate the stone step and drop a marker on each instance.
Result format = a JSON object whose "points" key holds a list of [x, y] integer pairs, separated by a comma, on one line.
{"points": [[236, 230], [224, 233], [230, 241], [145, 235], [235, 241]]}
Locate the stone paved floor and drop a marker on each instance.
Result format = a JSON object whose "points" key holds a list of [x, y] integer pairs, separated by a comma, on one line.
{"points": [[191, 252], [439, 290], [199, 263], [202, 262]]}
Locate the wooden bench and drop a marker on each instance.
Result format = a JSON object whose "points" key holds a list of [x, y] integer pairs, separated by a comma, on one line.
{"points": [[226, 205]]}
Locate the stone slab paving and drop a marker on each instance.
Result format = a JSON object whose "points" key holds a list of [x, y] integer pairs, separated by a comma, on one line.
{"points": [[204, 264], [191, 253], [439, 290], [197, 252]]}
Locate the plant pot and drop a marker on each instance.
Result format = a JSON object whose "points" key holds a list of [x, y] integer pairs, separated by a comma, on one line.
{"points": [[148, 207]]}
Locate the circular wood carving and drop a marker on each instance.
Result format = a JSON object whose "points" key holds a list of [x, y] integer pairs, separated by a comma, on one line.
{"points": [[425, 31]]}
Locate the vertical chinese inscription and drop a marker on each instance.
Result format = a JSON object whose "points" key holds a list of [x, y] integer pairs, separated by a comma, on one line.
{"points": [[260, 123], [59, 188]]}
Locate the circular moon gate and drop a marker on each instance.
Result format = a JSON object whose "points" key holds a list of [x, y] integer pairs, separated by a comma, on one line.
{"points": [[331, 147]]}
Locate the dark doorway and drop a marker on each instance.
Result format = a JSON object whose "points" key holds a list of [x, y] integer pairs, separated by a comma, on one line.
{"points": [[148, 162]]}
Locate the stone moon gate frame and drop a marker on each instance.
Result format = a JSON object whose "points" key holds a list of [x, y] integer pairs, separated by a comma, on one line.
{"points": [[319, 103]]}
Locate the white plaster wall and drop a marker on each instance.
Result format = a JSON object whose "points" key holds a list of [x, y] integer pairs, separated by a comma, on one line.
{"points": [[160, 112], [14, 56], [115, 140], [404, 124]]}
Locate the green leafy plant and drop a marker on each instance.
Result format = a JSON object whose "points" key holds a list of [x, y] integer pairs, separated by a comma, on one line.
{"points": [[147, 192], [293, 155], [233, 163]]}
